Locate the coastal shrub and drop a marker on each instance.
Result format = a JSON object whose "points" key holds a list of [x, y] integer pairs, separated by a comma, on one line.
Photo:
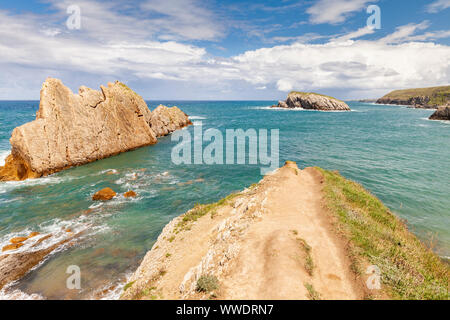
{"points": [[408, 269], [207, 283]]}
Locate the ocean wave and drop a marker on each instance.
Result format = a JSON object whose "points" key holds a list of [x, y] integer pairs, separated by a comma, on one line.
{"points": [[197, 118], [3, 155], [58, 229], [7, 293], [11, 185]]}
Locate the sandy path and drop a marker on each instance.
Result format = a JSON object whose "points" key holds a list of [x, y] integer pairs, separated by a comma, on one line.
{"points": [[253, 245], [271, 262]]}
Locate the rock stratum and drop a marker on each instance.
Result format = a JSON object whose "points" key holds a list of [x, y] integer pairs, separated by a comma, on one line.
{"points": [[442, 113], [423, 98], [312, 101], [297, 234], [74, 129]]}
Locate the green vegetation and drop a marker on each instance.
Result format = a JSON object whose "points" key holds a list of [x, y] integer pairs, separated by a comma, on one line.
{"points": [[312, 293], [200, 210], [207, 283], [409, 270], [308, 93], [128, 285], [438, 95], [309, 263]]}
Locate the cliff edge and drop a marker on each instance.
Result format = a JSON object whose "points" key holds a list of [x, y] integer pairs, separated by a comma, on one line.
{"points": [[424, 98], [297, 234], [74, 129]]}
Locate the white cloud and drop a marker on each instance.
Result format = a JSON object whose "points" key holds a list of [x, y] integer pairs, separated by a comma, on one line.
{"points": [[355, 34], [438, 5], [335, 11], [28, 54]]}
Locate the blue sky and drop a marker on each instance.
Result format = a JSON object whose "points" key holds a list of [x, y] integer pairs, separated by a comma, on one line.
{"points": [[191, 49]]}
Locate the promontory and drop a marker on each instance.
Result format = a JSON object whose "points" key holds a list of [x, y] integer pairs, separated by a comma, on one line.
{"points": [[312, 101], [426, 98], [297, 234], [74, 129]]}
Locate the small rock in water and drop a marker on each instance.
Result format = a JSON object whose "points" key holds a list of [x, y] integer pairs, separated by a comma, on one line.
{"points": [[104, 195], [165, 173], [112, 172], [12, 246], [18, 240], [33, 234], [130, 194]]}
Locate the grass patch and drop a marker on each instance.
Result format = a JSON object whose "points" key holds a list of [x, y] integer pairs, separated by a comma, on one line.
{"points": [[308, 93], [312, 293], [438, 95], [207, 283], [201, 210], [128, 285], [409, 270], [309, 263]]}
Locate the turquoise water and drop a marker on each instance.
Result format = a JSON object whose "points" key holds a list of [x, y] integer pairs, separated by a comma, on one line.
{"points": [[395, 152]]}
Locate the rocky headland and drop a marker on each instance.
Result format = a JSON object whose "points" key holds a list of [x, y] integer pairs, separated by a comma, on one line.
{"points": [[297, 234], [442, 113], [74, 129], [423, 98], [312, 101]]}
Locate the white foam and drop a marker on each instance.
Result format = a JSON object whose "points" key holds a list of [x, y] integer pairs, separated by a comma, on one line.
{"points": [[15, 294], [197, 118], [3, 155]]}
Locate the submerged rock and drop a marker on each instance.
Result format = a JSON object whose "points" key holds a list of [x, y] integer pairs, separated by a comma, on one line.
{"points": [[74, 129], [104, 195], [15, 265], [13, 246], [312, 101], [442, 113]]}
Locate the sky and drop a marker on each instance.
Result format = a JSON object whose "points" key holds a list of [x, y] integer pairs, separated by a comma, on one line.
{"points": [[225, 50]]}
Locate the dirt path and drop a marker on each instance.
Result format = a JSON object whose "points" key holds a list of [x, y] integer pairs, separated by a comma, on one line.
{"points": [[271, 263], [273, 241]]}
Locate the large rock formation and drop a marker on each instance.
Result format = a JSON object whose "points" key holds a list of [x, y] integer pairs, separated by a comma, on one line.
{"points": [[442, 113], [312, 101], [74, 129], [424, 98]]}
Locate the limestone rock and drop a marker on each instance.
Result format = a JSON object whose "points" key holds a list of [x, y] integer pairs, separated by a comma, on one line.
{"points": [[74, 129], [442, 113], [13, 246], [164, 120], [104, 195], [312, 101]]}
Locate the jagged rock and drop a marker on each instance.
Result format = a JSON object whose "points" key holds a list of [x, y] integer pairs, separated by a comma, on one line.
{"points": [[420, 98], [312, 101], [130, 194], [13, 246], [164, 120], [74, 129], [33, 234], [14, 266], [442, 113], [104, 195]]}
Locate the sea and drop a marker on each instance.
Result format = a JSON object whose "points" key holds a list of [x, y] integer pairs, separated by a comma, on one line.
{"points": [[394, 151]]}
